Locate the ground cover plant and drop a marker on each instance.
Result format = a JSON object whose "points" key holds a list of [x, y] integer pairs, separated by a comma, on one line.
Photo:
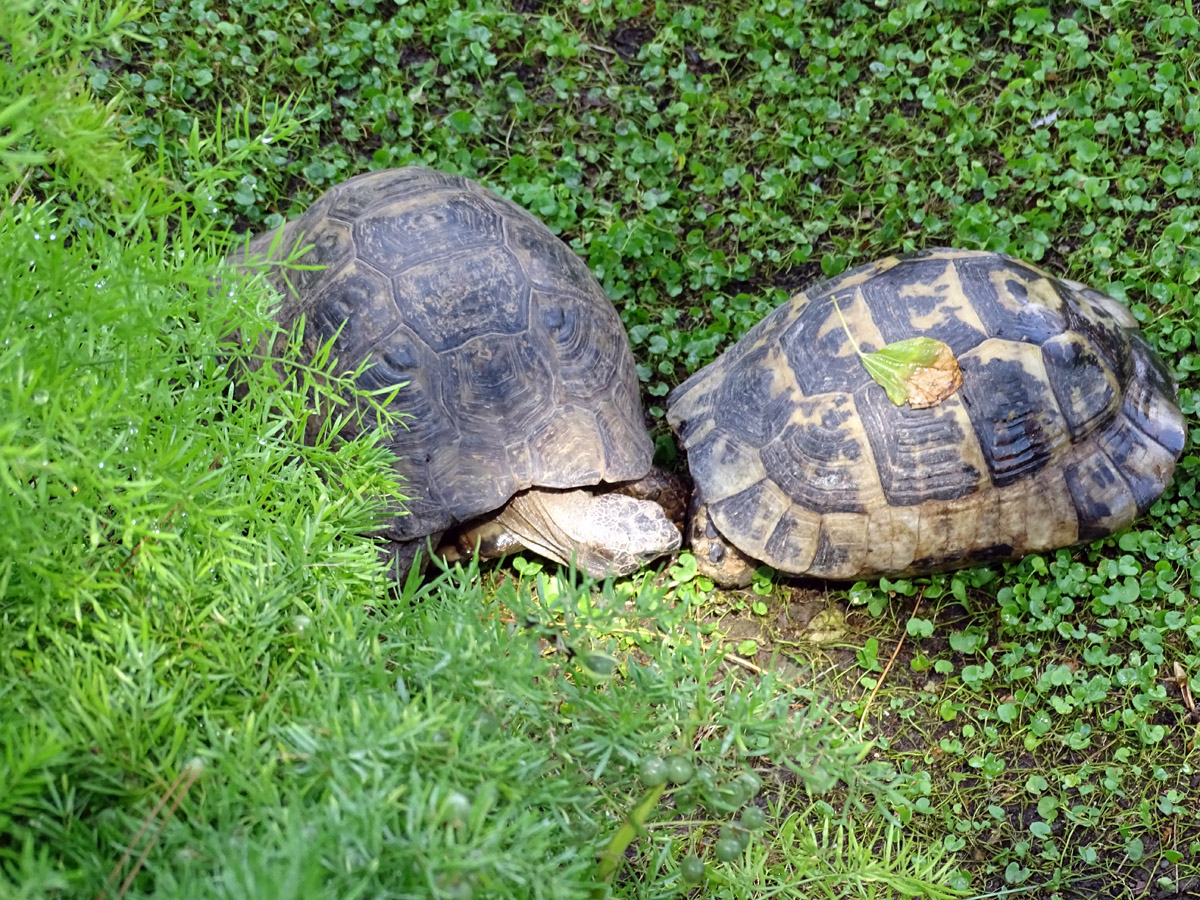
{"points": [[704, 161]]}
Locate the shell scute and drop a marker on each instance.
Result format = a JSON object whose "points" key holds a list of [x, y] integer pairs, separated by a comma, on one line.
{"points": [[821, 463], [396, 235], [841, 545], [753, 513], [356, 196], [624, 441], [1107, 337], [817, 348], [463, 296], [586, 357], [1014, 415], [400, 357], [1141, 461], [493, 377], [757, 398], [332, 247], [919, 453], [548, 263], [727, 464], [1012, 300], [924, 297], [564, 449], [354, 304], [1084, 387], [1148, 400], [794, 538], [1101, 496]]}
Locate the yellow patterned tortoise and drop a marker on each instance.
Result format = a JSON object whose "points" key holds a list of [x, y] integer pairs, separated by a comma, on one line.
{"points": [[1064, 430], [519, 383]]}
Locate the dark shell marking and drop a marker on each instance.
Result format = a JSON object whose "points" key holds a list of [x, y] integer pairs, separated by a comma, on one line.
{"points": [[1065, 428], [518, 370]]}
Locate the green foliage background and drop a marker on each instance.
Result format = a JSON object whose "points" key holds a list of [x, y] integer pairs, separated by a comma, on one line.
{"points": [[705, 161]]}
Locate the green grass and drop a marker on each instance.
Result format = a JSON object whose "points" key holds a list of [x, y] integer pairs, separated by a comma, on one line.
{"points": [[705, 161]]}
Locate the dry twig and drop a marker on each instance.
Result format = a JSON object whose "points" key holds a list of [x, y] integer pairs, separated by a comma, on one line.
{"points": [[886, 669], [175, 794]]}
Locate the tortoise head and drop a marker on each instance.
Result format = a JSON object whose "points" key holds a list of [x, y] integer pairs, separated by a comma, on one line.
{"points": [[604, 534]]}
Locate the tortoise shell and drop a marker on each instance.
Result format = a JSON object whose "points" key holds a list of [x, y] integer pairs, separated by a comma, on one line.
{"points": [[516, 369], [1064, 430]]}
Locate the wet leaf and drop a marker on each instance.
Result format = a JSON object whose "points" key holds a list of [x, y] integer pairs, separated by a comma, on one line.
{"points": [[920, 371]]}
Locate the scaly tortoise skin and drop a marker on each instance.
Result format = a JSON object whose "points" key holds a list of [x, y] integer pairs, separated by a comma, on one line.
{"points": [[519, 373], [1065, 428]]}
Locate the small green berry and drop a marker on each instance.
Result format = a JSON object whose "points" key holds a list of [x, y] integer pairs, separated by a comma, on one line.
{"points": [[599, 665], [731, 833], [456, 887], [653, 771], [749, 785], [679, 770], [686, 800], [753, 818], [458, 809], [727, 849], [692, 869]]}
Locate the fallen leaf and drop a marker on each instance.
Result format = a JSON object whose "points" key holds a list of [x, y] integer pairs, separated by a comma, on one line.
{"points": [[919, 371]]}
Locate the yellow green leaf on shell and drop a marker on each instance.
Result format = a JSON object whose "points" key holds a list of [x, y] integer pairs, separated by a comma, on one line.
{"points": [[920, 371]]}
